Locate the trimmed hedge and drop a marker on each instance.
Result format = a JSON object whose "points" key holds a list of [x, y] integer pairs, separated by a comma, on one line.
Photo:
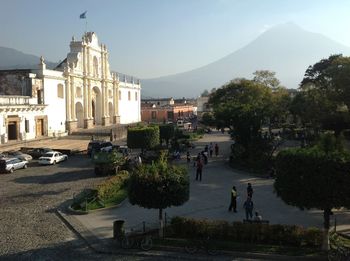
{"points": [[249, 233], [166, 132], [111, 186], [143, 137]]}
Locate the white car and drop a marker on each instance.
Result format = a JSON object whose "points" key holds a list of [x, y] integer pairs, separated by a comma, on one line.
{"points": [[52, 157]]}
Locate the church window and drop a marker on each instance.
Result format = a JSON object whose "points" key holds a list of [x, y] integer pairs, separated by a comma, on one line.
{"points": [[129, 95], [135, 96], [95, 67], [120, 95], [60, 91], [26, 125], [78, 93], [110, 95]]}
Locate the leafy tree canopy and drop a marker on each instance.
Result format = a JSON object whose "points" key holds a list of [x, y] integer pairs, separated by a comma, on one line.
{"points": [[267, 78], [324, 96], [242, 106], [159, 186]]}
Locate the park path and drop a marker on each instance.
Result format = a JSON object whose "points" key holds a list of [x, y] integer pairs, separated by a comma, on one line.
{"points": [[210, 199]]}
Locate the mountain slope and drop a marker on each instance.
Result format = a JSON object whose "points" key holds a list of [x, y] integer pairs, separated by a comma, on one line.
{"points": [[286, 49], [13, 59]]}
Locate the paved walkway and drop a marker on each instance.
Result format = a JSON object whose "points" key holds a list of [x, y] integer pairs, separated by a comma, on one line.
{"points": [[210, 199]]}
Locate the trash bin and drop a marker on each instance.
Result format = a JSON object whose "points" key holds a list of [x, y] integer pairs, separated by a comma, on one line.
{"points": [[118, 228]]}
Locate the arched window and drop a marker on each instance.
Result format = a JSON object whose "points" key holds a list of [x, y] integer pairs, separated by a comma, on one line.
{"points": [[110, 94], [60, 91], [120, 95], [95, 67], [78, 93], [129, 95], [135, 96]]}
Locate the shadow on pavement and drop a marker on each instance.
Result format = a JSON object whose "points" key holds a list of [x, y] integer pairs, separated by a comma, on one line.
{"points": [[58, 177]]}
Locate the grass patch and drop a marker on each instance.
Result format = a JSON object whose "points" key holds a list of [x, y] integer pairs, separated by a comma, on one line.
{"points": [[244, 247], [91, 202]]}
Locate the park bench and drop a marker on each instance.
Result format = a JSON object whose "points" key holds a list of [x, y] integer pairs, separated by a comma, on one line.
{"points": [[249, 221]]}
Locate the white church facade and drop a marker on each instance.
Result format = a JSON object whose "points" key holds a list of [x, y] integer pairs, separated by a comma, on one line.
{"points": [[80, 93]]}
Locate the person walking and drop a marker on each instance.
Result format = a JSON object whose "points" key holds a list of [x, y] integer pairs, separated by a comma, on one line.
{"points": [[250, 191], [211, 149], [199, 170], [188, 157], [248, 206], [216, 149], [233, 204]]}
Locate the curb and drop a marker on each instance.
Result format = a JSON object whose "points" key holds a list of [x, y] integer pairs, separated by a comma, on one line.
{"points": [[101, 247], [82, 212]]}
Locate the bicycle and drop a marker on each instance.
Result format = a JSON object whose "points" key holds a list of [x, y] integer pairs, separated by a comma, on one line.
{"points": [[196, 244], [338, 253]]}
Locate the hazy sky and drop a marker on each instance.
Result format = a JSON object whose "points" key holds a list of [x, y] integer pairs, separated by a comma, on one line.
{"points": [[150, 38]]}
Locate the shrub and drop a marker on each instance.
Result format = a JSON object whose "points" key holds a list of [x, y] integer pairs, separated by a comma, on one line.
{"points": [[250, 233], [111, 186], [143, 137], [166, 132]]}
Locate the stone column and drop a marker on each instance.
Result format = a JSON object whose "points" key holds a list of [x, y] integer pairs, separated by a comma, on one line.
{"points": [[88, 122], [116, 118], [74, 118], [71, 123], [68, 109], [89, 100]]}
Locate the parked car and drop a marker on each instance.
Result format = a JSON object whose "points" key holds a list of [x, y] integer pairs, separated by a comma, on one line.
{"points": [[38, 152], [9, 165], [97, 145], [52, 157], [122, 149], [19, 155]]}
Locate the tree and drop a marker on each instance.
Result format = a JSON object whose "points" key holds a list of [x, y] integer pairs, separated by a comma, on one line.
{"points": [[324, 97], [166, 132], [159, 186], [205, 93], [242, 106], [280, 106], [208, 119], [143, 137], [312, 178], [266, 78]]}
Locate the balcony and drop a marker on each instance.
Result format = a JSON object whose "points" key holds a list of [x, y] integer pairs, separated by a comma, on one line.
{"points": [[14, 100]]}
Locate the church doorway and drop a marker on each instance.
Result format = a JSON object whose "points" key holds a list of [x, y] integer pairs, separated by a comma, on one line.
{"points": [[79, 112], [96, 106], [93, 111], [110, 109]]}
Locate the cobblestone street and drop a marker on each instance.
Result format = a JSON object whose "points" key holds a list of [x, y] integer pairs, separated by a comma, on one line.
{"points": [[28, 201]]}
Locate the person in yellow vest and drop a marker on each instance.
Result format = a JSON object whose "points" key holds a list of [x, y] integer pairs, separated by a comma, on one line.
{"points": [[233, 204]]}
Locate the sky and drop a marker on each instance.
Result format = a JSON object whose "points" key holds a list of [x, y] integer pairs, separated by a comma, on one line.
{"points": [[153, 38]]}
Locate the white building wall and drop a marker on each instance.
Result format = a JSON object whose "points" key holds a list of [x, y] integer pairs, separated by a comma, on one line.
{"points": [[2, 129], [129, 110], [30, 116], [56, 106]]}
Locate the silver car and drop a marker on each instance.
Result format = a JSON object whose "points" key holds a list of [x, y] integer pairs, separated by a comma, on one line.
{"points": [[9, 165]]}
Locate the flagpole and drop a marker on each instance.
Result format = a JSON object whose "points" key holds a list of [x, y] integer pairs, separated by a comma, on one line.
{"points": [[85, 25]]}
